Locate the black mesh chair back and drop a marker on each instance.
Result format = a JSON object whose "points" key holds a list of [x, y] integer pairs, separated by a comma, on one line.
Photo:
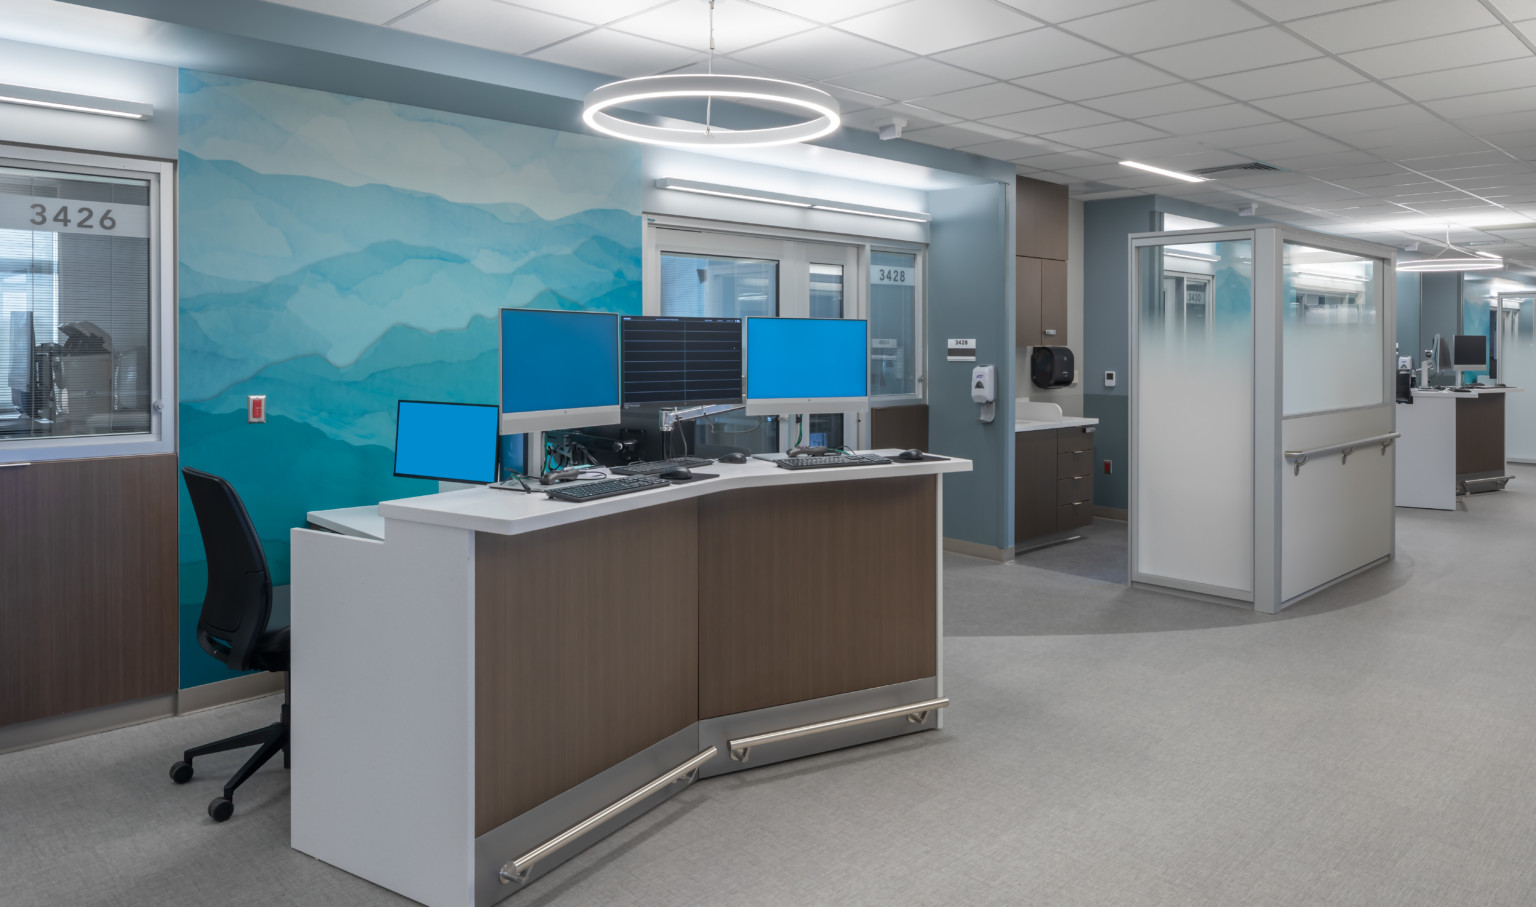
{"points": [[238, 601]]}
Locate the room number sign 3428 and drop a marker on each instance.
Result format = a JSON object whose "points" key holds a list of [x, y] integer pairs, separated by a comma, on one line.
{"points": [[84, 218], [897, 276]]}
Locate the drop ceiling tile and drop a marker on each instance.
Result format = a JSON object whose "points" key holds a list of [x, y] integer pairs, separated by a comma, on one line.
{"points": [[1252, 135], [1394, 181], [984, 101], [492, 25], [1289, 148], [1387, 142], [1493, 127], [1520, 101], [596, 12], [1003, 150], [1063, 10], [1198, 160], [1308, 163], [852, 100], [1483, 45], [1286, 10], [1232, 53], [1051, 119], [929, 26], [1017, 56], [1210, 119], [1392, 22], [374, 12], [910, 79], [872, 118], [1335, 173], [1450, 83], [737, 25], [820, 54], [1331, 100], [1408, 152], [1160, 23], [1096, 80], [1106, 134], [1063, 160], [1291, 78], [817, 10], [1155, 101], [616, 54], [1399, 116], [1164, 149]]}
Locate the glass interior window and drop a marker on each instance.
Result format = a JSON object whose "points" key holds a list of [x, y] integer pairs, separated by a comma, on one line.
{"points": [[75, 353], [893, 320], [1332, 331], [826, 429]]}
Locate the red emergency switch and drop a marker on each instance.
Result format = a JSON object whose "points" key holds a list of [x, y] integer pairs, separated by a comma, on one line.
{"points": [[256, 408]]}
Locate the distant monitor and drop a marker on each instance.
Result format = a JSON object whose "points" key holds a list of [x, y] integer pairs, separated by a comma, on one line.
{"points": [[449, 442], [1469, 351], [558, 370], [807, 365], [675, 361]]}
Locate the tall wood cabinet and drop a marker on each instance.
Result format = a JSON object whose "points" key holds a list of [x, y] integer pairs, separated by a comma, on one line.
{"points": [[1041, 253]]}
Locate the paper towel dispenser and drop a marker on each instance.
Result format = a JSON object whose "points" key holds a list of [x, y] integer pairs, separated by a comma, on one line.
{"points": [[1052, 366]]}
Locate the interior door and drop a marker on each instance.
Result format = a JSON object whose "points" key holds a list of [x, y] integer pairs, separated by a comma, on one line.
{"points": [[1516, 350]]}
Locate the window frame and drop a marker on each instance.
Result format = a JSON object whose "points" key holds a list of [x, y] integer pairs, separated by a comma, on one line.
{"points": [[161, 437]]}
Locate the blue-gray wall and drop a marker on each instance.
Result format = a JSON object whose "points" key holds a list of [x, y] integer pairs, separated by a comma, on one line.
{"points": [[1408, 291], [1439, 307], [970, 294]]}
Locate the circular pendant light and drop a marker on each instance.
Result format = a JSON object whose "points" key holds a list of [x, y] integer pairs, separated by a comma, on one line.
{"points": [[823, 114], [1478, 262], [823, 108]]}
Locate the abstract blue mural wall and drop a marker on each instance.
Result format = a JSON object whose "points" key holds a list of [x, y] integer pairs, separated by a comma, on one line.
{"points": [[338, 254]]}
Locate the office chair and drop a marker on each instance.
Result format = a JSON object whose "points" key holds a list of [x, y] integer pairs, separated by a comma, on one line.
{"points": [[233, 624]]}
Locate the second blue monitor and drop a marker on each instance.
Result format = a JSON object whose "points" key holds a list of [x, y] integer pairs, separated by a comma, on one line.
{"points": [[559, 369], [449, 442], [820, 362]]}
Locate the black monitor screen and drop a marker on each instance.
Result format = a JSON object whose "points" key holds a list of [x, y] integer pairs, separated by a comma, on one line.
{"points": [[669, 361], [1470, 349]]}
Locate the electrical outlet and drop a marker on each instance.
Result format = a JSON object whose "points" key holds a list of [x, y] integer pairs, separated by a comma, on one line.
{"points": [[1109, 467]]}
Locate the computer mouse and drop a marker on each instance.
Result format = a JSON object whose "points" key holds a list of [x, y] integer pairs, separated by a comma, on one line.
{"points": [[737, 458], [677, 474], [910, 454]]}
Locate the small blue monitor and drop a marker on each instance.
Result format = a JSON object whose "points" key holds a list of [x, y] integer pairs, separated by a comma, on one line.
{"points": [[817, 365], [559, 369], [449, 442]]}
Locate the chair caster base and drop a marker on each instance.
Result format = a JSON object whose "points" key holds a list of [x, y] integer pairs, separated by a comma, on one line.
{"points": [[221, 808], [181, 772]]}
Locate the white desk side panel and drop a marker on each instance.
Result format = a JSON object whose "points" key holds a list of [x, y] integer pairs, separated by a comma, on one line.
{"points": [[382, 687], [1335, 517], [1426, 453]]}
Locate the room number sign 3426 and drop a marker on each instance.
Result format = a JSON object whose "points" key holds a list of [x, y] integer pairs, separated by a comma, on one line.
{"points": [[84, 218]]}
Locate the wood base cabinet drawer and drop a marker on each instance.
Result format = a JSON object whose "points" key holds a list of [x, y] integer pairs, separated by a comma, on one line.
{"points": [[1074, 516], [1076, 463], [1074, 490], [1078, 437]]}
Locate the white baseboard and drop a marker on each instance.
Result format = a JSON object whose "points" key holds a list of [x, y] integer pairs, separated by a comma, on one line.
{"points": [[228, 692]]}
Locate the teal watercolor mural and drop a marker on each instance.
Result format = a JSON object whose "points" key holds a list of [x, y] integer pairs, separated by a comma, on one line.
{"points": [[338, 254]]}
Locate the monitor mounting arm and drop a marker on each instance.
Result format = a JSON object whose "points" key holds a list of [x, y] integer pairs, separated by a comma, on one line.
{"points": [[670, 417]]}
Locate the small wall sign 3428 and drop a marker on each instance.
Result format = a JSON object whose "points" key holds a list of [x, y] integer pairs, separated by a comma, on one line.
{"points": [[897, 276]]}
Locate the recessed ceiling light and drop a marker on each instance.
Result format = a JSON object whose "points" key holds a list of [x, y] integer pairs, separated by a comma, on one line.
{"points": [[75, 103], [1188, 178]]}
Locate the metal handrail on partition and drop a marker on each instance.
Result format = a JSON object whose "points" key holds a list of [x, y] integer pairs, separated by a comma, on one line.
{"points": [[517, 870], [917, 713], [1299, 458]]}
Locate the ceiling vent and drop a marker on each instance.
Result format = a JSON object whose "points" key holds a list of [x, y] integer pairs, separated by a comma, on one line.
{"points": [[1250, 167]]}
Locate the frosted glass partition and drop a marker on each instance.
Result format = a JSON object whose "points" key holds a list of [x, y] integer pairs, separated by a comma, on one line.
{"points": [[1331, 305], [1194, 415], [1517, 368]]}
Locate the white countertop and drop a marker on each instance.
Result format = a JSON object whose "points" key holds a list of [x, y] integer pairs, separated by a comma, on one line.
{"points": [[485, 509], [1042, 425], [1475, 391]]}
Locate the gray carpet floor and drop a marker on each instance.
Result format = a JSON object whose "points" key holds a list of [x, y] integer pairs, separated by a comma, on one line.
{"points": [[1106, 746]]}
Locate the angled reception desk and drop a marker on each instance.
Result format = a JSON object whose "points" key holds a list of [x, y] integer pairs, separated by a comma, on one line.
{"points": [[491, 681], [1450, 441]]}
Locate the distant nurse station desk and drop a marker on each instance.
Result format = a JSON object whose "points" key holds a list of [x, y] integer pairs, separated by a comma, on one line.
{"points": [[1451, 443], [503, 679]]}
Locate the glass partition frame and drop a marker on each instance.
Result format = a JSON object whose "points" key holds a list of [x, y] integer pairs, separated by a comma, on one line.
{"points": [[1269, 381]]}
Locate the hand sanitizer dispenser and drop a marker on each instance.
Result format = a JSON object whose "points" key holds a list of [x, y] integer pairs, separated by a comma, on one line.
{"points": [[984, 390]]}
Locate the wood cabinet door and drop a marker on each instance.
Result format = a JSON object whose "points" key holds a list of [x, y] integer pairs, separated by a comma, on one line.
{"points": [[1042, 219], [1053, 303], [1034, 484], [1027, 302]]}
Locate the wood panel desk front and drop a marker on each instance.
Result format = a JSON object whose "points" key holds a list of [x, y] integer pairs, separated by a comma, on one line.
{"points": [[500, 666]]}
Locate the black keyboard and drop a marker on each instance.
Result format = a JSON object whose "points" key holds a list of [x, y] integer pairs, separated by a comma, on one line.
{"points": [[830, 460], [604, 488], [657, 467]]}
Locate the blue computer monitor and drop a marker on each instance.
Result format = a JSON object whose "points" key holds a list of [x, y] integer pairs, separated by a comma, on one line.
{"points": [[807, 365], [449, 442], [558, 370]]}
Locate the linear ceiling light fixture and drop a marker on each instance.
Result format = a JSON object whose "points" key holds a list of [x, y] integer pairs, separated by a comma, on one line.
{"points": [[1478, 261], [76, 103], [824, 115], [1186, 177], [792, 201]]}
